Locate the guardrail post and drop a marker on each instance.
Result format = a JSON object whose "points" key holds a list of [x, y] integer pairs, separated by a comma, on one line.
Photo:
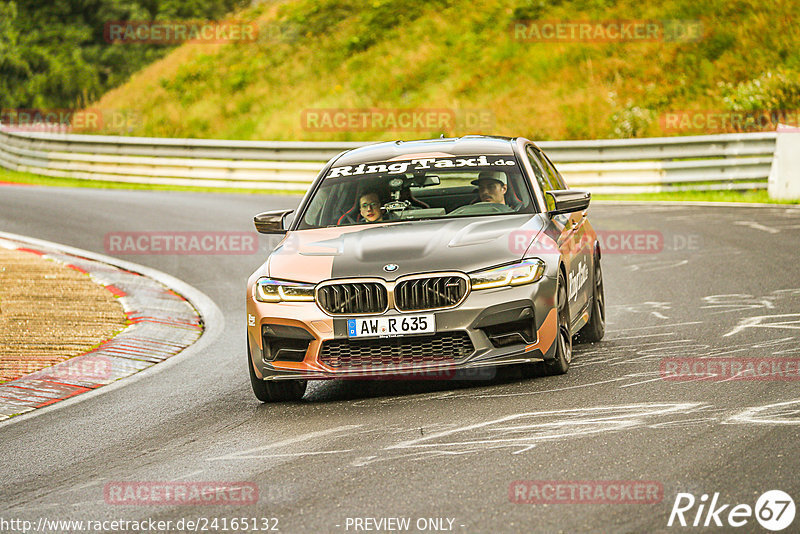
{"points": [[784, 175]]}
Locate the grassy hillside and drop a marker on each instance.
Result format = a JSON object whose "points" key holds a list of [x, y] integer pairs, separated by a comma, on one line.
{"points": [[463, 55]]}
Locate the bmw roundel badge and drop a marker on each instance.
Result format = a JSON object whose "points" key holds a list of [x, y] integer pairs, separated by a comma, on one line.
{"points": [[390, 267]]}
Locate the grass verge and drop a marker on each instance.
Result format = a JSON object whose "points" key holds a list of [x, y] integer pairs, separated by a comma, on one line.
{"points": [[758, 196], [35, 179]]}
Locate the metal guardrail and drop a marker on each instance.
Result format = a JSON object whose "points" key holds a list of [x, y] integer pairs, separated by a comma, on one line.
{"points": [[710, 162]]}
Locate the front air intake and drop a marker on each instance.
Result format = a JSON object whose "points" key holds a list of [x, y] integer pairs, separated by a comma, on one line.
{"points": [[353, 298], [441, 348], [430, 293]]}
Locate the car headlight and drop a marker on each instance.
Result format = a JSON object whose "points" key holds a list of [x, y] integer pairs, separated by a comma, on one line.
{"points": [[271, 290], [516, 274]]}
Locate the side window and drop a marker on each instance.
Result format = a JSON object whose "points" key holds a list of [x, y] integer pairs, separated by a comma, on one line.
{"points": [[555, 177], [313, 215], [541, 177]]}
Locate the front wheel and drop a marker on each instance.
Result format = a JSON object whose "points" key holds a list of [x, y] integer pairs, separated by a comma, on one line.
{"points": [[274, 391], [560, 364]]}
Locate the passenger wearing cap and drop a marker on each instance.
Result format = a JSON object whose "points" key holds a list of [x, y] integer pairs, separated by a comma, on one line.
{"points": [[492, 186]]}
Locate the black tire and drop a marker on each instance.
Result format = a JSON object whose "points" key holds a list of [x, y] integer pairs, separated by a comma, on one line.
{"points": [[595, 329], [275, 391], [560, 364]]}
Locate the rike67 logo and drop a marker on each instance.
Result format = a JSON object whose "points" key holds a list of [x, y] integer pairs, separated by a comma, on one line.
{"points": [[774, 510]]}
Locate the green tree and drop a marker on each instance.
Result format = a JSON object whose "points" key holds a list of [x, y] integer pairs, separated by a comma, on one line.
{"points": [[54, 53]]}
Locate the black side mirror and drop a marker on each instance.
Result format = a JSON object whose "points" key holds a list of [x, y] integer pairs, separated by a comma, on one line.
{"points": [[567, 201], [271, 222]]}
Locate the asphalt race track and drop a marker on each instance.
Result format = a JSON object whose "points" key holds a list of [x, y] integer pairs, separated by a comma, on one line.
{"points": [[723, 282]]}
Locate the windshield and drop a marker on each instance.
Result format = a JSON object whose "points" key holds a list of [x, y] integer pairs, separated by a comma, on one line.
{"points": [[424, 188]]}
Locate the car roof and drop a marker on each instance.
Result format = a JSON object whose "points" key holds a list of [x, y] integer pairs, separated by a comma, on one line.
{"points": [[457, 146]]}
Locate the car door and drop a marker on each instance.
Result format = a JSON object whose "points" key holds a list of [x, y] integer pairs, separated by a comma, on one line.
{"points": [[580, 287], [561, 225]]}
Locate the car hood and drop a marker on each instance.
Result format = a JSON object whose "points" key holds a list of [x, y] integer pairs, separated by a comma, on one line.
{"points": [[463, 244]]}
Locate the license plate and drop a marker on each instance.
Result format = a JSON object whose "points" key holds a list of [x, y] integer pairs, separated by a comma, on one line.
{"points": [[398, 325]]}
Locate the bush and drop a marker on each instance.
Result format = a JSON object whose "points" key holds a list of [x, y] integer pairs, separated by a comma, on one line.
{"points": [[631, 120], [772, 91]]}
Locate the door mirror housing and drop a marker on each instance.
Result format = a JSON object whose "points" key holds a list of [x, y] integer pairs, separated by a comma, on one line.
{"points": [[271, 222], [567, 201]]}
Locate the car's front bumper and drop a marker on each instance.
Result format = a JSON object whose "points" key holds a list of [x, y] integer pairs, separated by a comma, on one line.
{"points": [[484, 316]]}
